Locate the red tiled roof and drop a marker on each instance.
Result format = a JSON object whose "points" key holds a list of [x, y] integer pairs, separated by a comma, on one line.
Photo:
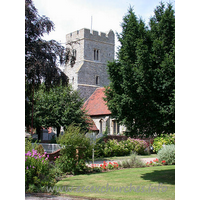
{"points": [[92, 125], [95, 105]]}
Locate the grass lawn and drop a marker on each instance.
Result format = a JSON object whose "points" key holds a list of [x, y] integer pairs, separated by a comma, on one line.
{"points": [[156, 182], [124, 157]]}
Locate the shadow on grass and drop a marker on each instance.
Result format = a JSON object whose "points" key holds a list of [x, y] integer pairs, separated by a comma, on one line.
{"points": [[161, 176]]}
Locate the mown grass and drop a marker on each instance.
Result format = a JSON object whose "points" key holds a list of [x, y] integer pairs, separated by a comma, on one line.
{"points": [[135, 183]]}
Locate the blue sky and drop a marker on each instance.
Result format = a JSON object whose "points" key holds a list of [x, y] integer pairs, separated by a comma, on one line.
{"points": [[72, 15]]}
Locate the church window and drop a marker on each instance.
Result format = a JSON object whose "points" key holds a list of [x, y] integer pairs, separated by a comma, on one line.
{"points": [[74, 53], [115, 125], [97, 80], [101, 126], [96, 54]]}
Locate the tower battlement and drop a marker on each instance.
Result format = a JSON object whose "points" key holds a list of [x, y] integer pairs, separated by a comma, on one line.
{"points": [[84, 33]]}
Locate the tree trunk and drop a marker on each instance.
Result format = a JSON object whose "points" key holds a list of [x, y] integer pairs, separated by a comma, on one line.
{"points": [[58, 131]]}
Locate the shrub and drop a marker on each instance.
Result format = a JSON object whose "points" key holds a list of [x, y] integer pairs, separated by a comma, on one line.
{"points": [[39, 148], [139, 146], [28, 144], [133, 162], [122, 148], [37, 170], [76, 149], [163, 139], [167, 154]]}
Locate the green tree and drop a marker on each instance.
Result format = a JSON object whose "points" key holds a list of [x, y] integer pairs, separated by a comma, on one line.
{"points": [[142, 89], [42, 57], [58, 106]]}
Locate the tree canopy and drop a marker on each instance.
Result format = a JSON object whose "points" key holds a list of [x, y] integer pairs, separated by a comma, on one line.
{"points": [[41, 56], [142, 89], [58, 106]]}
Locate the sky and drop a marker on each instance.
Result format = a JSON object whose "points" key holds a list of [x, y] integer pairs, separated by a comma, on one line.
{"points": [[71, 15]]}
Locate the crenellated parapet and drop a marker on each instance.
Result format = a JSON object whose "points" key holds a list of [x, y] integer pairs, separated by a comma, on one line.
{"points": [[84, 33]]}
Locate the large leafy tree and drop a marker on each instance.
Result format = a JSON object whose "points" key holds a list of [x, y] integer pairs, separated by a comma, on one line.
{"points": [[42, 57], [58, 106], [142, 90]]}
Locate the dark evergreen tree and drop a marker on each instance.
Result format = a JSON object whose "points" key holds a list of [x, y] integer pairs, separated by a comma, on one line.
{"points": [[142, 90]]}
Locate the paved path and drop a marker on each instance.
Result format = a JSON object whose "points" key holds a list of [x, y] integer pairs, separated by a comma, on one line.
{"points": [[42, 196], [145, 160]]}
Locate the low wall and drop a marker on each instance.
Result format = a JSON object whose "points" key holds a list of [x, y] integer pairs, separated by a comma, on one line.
{"points": [[53, 155]]}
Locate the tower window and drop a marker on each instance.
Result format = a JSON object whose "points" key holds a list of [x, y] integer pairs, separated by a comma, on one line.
{"points": [[96, 54], [74, 53], [97, 80]]}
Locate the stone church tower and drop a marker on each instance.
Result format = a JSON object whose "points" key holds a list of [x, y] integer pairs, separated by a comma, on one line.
{"points": [[92, 51]]}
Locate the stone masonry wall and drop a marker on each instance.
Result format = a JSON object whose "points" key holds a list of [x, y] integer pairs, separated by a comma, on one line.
{"points": [[83, 74]]}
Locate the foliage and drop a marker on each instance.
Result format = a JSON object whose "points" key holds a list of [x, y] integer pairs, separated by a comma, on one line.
{"points": [[164, 139], [37, 172], [132, 162], [41, 57], [122, 148], [58, 106], [76, 149], [28, 144], [167, 154], [141, 94]]}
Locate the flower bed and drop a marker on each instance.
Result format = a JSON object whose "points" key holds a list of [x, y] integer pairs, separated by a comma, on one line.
{"points": [[103, 167], [155, 162]]}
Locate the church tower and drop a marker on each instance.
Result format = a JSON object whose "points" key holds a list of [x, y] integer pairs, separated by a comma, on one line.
{"points": [[92, 51]]}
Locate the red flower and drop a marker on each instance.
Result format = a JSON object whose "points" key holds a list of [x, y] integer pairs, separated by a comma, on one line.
{"points": [[163, 161], [156, 160]]}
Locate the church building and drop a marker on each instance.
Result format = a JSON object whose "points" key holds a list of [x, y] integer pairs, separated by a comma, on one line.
{"points": [[92, 51]]}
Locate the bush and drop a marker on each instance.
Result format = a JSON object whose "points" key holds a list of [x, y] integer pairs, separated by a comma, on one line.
{"points": [[163, 139], [75, 151], [122, 148], [133, 162], [37, 172], [167, 154]]}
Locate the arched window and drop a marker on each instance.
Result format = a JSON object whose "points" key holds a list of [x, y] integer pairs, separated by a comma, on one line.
{"points": [[96, 54], [101, 126]]}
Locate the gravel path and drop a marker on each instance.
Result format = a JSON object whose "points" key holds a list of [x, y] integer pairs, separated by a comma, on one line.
{"points": [[145, 160]]}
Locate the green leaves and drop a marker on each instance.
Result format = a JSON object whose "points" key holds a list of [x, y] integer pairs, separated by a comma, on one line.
{"points": [[141, 93], [59, 106]]}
